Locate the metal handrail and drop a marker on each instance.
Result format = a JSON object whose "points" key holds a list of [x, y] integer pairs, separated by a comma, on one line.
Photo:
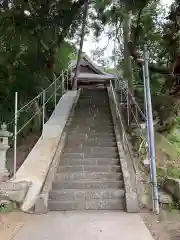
{"points": [[123, 129], [28, 105]]}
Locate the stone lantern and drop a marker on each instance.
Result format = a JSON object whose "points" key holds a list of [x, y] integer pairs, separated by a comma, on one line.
{"points": [[4, 146]]}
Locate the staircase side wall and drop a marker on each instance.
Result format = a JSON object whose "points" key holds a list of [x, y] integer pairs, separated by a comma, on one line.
{"points": [[36, 166], [129, 176]]}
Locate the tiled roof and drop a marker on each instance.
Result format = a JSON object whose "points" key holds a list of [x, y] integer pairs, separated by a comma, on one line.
{"points": [[95, 76], [94, 66]]}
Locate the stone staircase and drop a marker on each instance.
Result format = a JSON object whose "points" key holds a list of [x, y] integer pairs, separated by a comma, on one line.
{"points": [[89, 174]]}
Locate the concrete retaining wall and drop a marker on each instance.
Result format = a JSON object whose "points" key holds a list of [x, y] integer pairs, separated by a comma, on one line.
{"points": [[35, 168], [172, 186], [129, 176]]}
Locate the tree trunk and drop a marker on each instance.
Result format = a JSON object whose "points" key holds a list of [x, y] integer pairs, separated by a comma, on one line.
{"points": [[81, 44], [127, 56]]}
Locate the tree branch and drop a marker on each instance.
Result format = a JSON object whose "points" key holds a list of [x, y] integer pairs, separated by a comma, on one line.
{"points": [[134, 53], [68, 19]]}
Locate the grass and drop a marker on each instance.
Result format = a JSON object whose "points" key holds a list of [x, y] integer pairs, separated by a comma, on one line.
{"points": [[7, 207], [174, 138], [170, 171], [173, 171]]}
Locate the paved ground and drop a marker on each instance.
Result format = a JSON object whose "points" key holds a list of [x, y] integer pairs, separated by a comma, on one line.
{"points": [[89, 225]]}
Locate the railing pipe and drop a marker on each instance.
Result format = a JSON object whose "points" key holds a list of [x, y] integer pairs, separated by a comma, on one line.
{"points": [[55, 94], [15, 132], [62, 83], [43, 109], [151, 133]]}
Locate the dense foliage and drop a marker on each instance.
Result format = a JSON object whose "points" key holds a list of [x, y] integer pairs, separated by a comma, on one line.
{"points": [[158, 27], [34, 45]]}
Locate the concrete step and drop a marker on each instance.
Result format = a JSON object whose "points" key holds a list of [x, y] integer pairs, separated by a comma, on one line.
{"points": [[88, 176], [90, 155], [90, 149], [89, 169], [85, 194], [88, 184], [90, 161], [97, 204]]}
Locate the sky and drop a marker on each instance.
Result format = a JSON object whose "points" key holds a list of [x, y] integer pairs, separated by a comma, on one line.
{"points": [[91, 44]]}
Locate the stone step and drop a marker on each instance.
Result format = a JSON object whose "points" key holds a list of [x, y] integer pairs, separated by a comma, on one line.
{"points": [[85, 194], [93, 98], [101, 95], [78, 118], [98, 132], [85, 140], [92, 134], [90, 149], [89, 169], [87, 184], [90, 161], [89, 108], [92, 104], [91, 118], [89, 143], [94, 112], [89, 127], [82, 155], [89, 104], [92, 127], [84, 137], [88, 176], [93, 93], [97, 204], [93, 115]]}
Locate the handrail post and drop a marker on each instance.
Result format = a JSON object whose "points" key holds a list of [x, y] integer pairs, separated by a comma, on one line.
{"points": [[127, 102], [43, 109], [15, 132], [151, 133], [121, 92], [62, 83], [67, 81], [55, 95]]}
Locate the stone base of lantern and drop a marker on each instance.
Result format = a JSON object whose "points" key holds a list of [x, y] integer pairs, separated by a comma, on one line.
{"points": [[4, 175]]}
